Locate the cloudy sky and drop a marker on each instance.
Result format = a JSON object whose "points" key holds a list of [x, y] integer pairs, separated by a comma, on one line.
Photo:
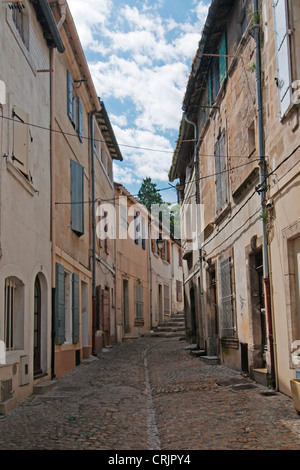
{"points": [[140, 55]]}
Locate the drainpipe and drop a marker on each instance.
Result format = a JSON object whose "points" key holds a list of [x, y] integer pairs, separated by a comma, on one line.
{"points": [[196, 167], [52, 173], [93, 236], [262, 167], [63, 12]]}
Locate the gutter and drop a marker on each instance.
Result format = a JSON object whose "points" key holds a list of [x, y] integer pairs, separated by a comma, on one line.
{"points": [[45, 7]]}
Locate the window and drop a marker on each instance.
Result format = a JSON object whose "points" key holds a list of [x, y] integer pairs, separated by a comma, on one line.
{"points": [[218, 71], [74, 106], [67, 306], [77, 198], [226, 298], [139, 302], [167, 306], [13, 314], [282, 44], [140, 230], [20, 140], [179, 291], [21, 21], [166, 251], [220, 171]]}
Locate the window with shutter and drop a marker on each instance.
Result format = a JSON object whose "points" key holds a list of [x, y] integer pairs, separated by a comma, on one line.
{"points": [[77, 198], [21, 140], [70, 95], [60, 304], [282, 54], [139, 302], [143, 234], [220, 171], [226, 298], [222, 59], [75, 308], [79, 127]]}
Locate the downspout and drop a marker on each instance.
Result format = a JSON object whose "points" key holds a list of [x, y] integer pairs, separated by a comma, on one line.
{"points": [[262, 169], [63, 6], [52, 175], [196, 167], [93, 236]]}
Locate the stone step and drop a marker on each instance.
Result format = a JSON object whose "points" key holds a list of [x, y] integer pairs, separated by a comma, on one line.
{"points": [[44, 387], [210, 359]]}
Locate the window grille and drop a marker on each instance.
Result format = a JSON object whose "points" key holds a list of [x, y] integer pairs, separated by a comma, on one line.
{"points": [[226, 299], [9, 301]]}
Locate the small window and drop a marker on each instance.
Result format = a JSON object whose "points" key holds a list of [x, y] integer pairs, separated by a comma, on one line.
{"points": [[220, 172], [139, 302], [74, 107], [21, 21], [77, 198], [167, 300], [179, 291], [282, 43], [226, 299], [13, 314], [21, 140]]}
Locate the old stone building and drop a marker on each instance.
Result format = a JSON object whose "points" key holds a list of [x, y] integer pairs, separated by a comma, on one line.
{"points": [[27, 34], [236, 161]]}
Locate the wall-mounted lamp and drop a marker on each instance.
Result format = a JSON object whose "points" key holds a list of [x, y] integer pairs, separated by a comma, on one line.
{"points": [[160, 242]]}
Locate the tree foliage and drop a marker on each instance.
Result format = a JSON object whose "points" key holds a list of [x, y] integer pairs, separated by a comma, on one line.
{"points": [[148, 194]]}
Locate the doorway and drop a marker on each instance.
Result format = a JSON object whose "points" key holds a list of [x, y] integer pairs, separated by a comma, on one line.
{"points": [[193, 316], [37, 370], [213, 320], [126, 307], [258, 313], [160, 304]]}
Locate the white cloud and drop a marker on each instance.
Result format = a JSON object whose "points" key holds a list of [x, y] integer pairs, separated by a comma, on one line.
{"points": [[142, 60]]}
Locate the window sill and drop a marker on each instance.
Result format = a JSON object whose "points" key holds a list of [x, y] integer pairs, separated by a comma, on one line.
{"points": [[222, 214], [20, 178]]}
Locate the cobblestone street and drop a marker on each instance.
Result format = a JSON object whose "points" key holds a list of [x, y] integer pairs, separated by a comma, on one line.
{"points": [[152, 394]]}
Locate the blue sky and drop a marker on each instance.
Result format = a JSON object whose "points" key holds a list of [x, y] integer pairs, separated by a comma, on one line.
{"points": [[140, 55]]}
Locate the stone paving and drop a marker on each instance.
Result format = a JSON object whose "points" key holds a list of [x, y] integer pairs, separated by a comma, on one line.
{"points": [[152, 394]]}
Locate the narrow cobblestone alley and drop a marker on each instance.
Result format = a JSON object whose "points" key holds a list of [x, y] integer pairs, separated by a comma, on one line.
{"points": [[152, 394]]}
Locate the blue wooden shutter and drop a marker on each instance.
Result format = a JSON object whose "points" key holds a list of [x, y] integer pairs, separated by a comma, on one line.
{"points": [[77, 197], [79, 130], [70, 94], [220, 170], [75, 307], [282, 55], [60, 304], [222, 59], [210, 88]]}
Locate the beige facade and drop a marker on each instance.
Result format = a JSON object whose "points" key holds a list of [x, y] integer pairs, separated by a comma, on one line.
{"points": [[246, 230], [132, 261], [25, 248]]}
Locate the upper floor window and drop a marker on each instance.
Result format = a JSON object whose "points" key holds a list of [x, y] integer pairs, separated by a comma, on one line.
{"points": [[20, 140], [140, 230], [21, 21], [218, 70], [283, 54], [74, 106], [77, 198], [220, 172]]}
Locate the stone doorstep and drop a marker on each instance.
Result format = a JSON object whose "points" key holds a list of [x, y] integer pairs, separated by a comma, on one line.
{"points": [[44, 387], [8, 405], [261, 376], [210, 359]]}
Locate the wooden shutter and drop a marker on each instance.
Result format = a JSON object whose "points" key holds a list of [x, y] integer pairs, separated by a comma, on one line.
{"points": [[79, 130], [21, 140], [77, 196], [60, 304], [220, 170], [70, 95], [106, 315], [75, 307], [222, 59], [282, 54], [136, 227]]}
